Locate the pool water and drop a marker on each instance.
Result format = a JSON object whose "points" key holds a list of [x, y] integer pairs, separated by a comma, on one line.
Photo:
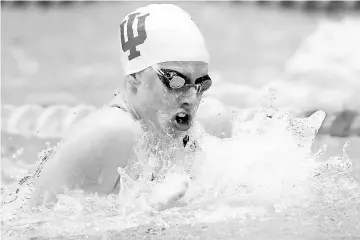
{"points": [[269, 181]]}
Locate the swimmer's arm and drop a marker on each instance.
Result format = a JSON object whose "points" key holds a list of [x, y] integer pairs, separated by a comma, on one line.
{"points": [[89, 158]]}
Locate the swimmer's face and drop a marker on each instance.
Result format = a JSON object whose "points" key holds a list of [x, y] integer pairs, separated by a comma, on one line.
{"points": [[164, 99]]}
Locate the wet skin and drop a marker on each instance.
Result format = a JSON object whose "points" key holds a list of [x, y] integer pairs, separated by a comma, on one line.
{"points": [[97, 145]]}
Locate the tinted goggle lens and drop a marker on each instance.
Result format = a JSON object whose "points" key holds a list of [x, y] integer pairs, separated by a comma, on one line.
{"points": [[204, 84], [176, 82]]}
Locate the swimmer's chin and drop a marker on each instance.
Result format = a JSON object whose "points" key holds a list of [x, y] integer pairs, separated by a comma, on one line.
{"points": [[176, 132], [172, 129]]}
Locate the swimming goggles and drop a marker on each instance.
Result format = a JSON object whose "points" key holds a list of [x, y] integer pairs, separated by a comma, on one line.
{"points": [[175, 80]]}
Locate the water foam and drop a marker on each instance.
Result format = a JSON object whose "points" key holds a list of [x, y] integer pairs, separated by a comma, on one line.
{"points": [[266, 168]]}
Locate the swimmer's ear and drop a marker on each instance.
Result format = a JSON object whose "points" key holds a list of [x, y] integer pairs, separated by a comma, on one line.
{"points": [[133, 82]]}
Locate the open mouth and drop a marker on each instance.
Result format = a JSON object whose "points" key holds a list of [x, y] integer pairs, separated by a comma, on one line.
{"points": [[182, 121]]}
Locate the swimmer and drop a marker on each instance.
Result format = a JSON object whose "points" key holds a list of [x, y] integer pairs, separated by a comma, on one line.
{"points": [[165, 60]]}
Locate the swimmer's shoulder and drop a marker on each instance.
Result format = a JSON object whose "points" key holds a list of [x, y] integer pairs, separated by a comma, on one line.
{"points": [[89, 155], [108, 133], [106, 120]]}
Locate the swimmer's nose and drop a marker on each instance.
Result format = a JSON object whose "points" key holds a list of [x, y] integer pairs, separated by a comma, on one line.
{"points": [[189, 98]]}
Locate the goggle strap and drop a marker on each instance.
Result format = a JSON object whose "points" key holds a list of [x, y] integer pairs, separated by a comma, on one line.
{"points": [[158, 70]]}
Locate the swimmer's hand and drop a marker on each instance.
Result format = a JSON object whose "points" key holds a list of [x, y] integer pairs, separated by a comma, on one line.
{"points": [[168, 193]]}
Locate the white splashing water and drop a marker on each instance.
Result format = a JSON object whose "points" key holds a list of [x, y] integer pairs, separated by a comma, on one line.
{"points": [[266, 168]]}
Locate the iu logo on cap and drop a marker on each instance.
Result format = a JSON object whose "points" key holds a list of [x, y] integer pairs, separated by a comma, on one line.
{"points": [[132, 41]]}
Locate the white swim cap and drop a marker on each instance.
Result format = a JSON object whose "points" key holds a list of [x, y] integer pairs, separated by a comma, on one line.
{"points": [[159, 33]]}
